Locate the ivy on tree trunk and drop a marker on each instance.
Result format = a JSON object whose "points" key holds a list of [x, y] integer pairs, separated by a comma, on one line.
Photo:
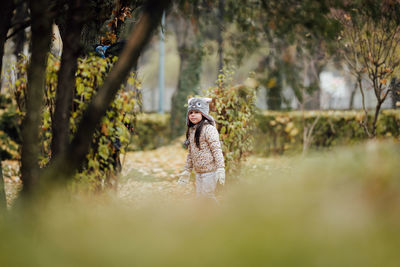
{"points": [[65, 165], [66, 76]]}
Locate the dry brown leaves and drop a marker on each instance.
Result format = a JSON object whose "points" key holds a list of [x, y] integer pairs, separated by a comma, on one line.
{"points": [[153, 174]]}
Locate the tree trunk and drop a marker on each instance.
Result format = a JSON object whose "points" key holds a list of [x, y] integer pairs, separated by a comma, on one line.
{"points": [[314, 103], [375, 121], [190, 54], [20, 37], [188, 83], [5, 22], [41, 38], [66, 77], [221, 14], [352, 95], [96, 17], [66, 164]]}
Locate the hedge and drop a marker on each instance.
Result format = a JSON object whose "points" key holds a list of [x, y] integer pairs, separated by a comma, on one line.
{"points": [[152, 131], [282, 132], [279, 132]]}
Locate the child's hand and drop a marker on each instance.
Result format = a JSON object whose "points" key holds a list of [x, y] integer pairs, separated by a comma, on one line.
{"points": [[184, 178], [220, 173]]}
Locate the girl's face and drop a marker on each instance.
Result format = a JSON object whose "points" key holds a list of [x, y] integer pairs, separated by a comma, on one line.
{"points": [[195, 116]]}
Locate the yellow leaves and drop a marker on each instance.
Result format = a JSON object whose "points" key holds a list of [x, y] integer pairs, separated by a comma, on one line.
{"points": [[131, 80], [289, 127], [294, 132], [383, 81], [387, 70], [360, 117], [271, 83], [282, 119], [104, 129]]}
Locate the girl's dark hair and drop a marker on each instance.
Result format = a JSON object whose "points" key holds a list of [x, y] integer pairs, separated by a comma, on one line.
{"points": [[198, 131]]}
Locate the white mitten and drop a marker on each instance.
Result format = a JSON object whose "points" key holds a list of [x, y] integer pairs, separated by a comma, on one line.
{"points": [[220, 173], [184, 178]]}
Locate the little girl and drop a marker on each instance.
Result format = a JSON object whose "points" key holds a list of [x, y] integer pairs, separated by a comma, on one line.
{"points": [[205, 154]]}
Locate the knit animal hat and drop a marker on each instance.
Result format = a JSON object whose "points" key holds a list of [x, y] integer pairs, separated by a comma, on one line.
{"points": [[201, 105]]}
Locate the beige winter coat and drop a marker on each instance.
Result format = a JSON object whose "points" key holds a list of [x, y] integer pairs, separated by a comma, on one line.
{"points": [[209, 157]]}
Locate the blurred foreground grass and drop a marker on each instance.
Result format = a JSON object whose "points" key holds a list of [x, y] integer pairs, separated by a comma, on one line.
{"points": [[339, 208]]}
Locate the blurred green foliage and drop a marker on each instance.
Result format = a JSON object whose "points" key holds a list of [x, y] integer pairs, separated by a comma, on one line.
{"points": [[113, 135], [152, 131], [336, 209], [10, 138], [280, 132]]}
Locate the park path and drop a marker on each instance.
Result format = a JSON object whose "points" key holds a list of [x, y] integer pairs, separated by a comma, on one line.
{"points": [[154, 173], [145, 174]]}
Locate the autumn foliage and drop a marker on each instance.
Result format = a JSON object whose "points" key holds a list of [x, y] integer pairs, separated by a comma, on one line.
{"points": [[113, 135], [233, 108]]}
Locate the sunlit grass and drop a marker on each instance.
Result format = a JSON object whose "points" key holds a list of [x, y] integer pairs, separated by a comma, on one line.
{"points": [[339, 208]]}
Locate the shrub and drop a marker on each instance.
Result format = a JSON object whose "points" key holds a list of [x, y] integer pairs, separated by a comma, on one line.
{"points": [[9, 130], [280, 132], [233, 109], [151, 131]]}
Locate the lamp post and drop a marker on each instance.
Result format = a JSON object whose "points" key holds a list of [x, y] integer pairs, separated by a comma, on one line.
{"points": [[161, 85]]}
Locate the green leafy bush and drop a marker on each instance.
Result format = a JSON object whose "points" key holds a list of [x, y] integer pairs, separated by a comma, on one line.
{"points": [[10, 138], [113, 135], [233, 108], [152, 131], [279, 132]]}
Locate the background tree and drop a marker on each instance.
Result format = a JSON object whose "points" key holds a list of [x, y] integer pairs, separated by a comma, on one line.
{"points": [[190, 52], [196, 22], [370, 42], [188, 20], [299, 34]]}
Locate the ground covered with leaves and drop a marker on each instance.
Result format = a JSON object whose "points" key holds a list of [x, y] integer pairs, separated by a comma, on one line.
{"points": [[154, 173]]}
